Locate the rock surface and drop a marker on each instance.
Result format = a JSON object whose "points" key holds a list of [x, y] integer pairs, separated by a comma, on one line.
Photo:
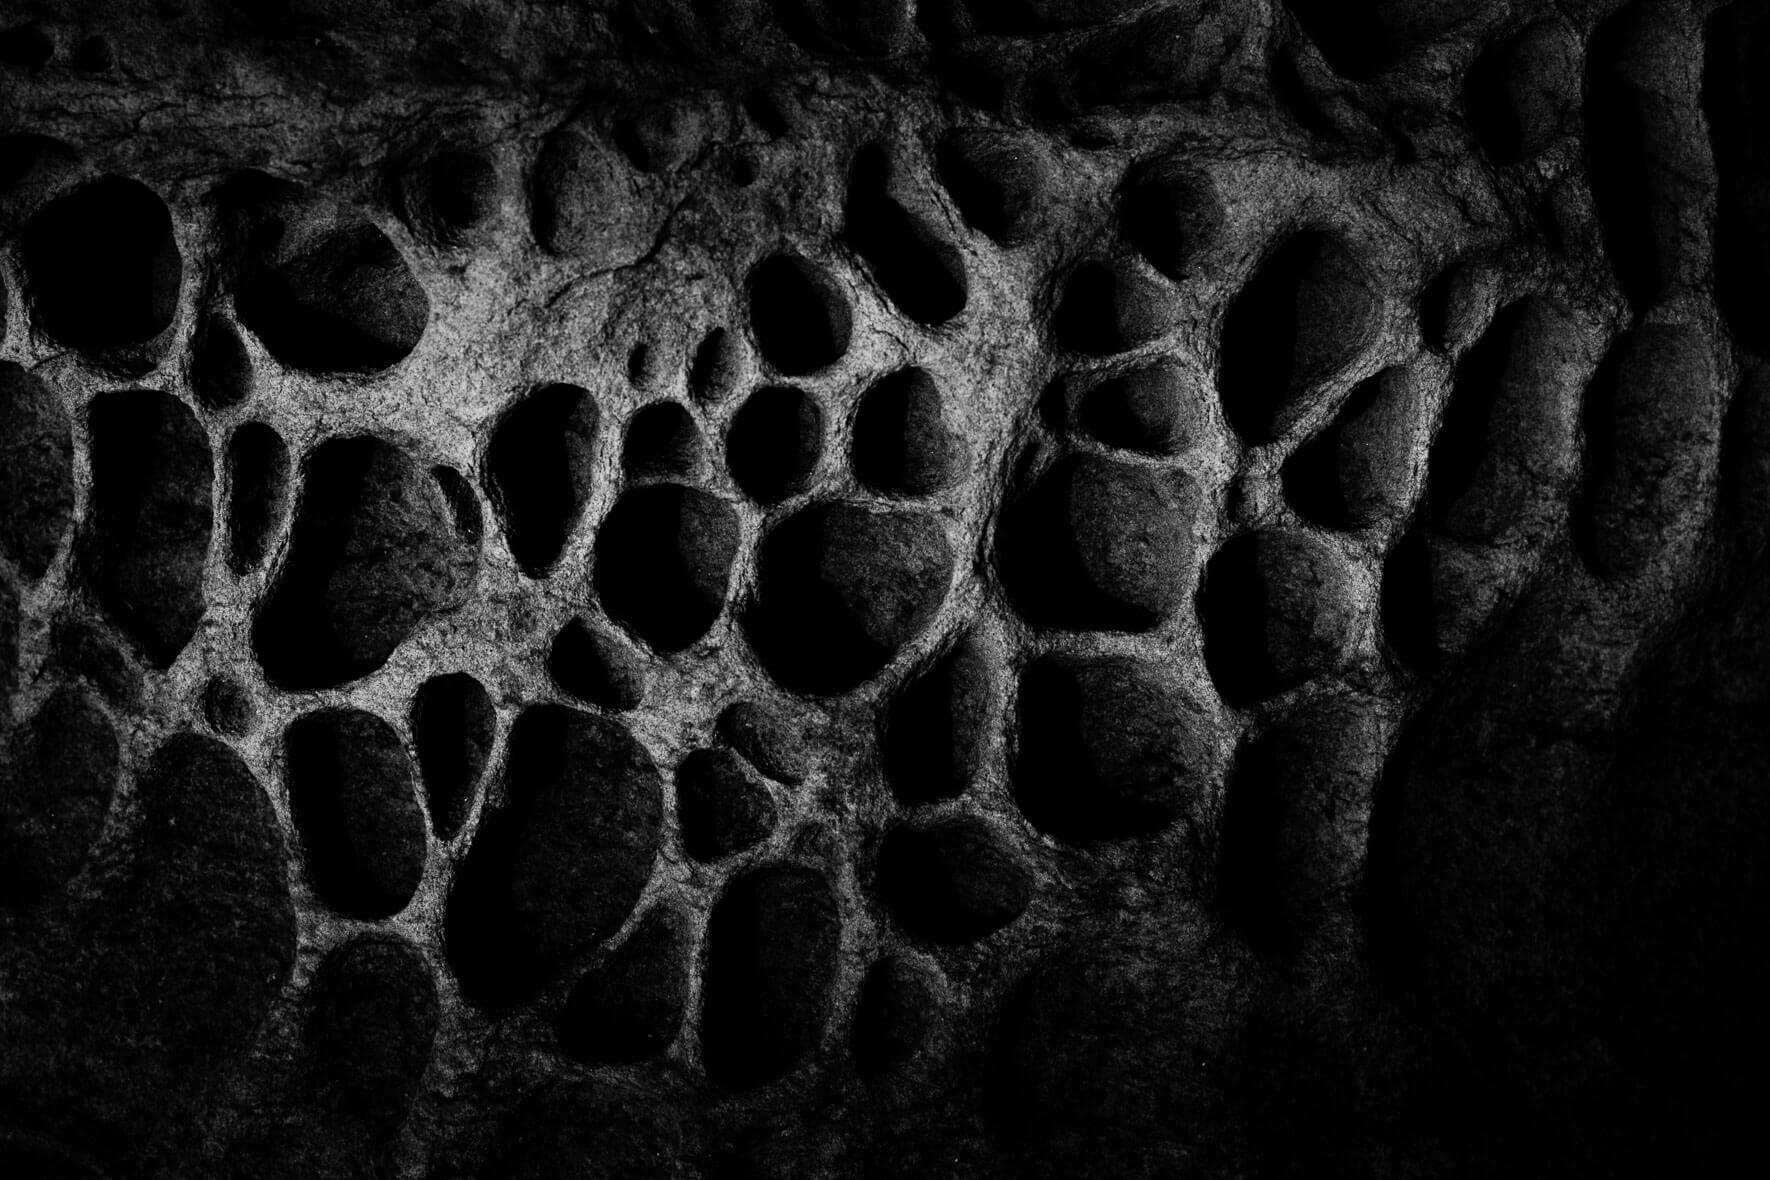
{"points": [[560, 865], [374, 551], [37, 484], [982, 588]]}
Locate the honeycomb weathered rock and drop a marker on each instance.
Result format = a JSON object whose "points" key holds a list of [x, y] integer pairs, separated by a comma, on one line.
{"points": [[883, 588]]}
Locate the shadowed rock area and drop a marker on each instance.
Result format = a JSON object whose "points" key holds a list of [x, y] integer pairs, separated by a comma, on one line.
{"points": [[374, 551], [881, 589]]}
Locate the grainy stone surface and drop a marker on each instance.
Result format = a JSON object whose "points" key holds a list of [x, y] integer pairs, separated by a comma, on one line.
{"points": [[883, 588], [37, 486]]}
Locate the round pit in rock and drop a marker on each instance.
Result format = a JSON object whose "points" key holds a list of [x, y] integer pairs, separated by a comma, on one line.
{"points": [[102, 266], [1099, 544], [841, 590], [1110, 747]]}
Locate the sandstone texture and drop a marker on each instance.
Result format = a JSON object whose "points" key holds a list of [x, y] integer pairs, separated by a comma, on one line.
{"points": [[884, 588]]}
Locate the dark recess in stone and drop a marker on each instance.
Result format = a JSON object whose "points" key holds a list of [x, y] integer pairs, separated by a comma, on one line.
{"points": [[1276, 611], [450, 195], [373, 553], [1356, 473], [1143, 410], [663, 563], [936, 728], [538, 471], [258, 493], [149, 522], [1295, 821], [630, 1006], [720, 808], [594, 665], [1621, 171], [663, 442], [1305, 314], [562, 863], [641, 368], [1642, 419], [174, 988], [347, 303], [1164, 53], [31, 166], [716, 368], [896, 1016], [9, 625], [766, 737], [227, 706], [798, 314], [765, 108], [1363, 40], [26, 46], [1468, 493], [866, 29], [771, 960], [663, 136], [1407, 600], [453, 728], [775, 441], [919, 271], [351, 795], [1298, 99], [841, 590], [1111, 307], [902, 444], [1099, 544], [953, 880], [220, 369], [1171, 215], [36, 470], [598, 1129], [94, 55], [84, 650], [1108, 748], [1736, 100], [374, 1016], [61, 770], [1437, 302], [1522, 91], [997, 182], [102, 266], [1029, 17], [463, 502]]}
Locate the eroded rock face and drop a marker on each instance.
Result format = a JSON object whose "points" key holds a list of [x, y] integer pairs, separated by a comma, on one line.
{"points": [[663, 562], [772, 960], [1110, 747], [37, 484], [61, 771], [375, 550], [631, 1006], [148, 534], [159, 991], [351, 792], [1069, 587], [325, 290], [1099, 544], [842, 589], [558, 868], [539, 471], [103, 266], [452, 728]]}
